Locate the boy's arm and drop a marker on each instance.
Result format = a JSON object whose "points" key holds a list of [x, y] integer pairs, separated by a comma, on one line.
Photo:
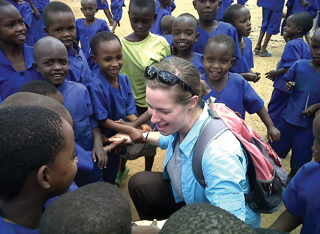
{"points": [[271, 75], [135, 122], [286, 222], [304, 3], [135, 134], [273, 132], [251, 76], [35, 10], [312, 109], [98, 152]]}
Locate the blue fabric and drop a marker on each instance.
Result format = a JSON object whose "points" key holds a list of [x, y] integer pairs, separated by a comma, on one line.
{"points": [[169, 39], [168, 8], [301, 197], [114, 104], [12, 80], [37, 27], [224, 5], [85, 162], [295, 138], [26, 12], [11, 228], [103, 6], [116, 9], [224, 168], [242, 2], [306, 84], [271, 21], [41, 4], [78, 102], [245, 62], [78, 65], [223, 28], [274, 5], [156, 27], [278, 102], [85, 34], [72, 188], [238, 95], [196, 61], [293, 51], [111, 103]]}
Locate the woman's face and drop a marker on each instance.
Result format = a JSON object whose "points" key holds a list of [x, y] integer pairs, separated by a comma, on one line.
{"points": [[169, 116]]}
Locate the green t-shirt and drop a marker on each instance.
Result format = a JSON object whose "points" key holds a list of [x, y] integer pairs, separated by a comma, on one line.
{"points": [[137, 56]]}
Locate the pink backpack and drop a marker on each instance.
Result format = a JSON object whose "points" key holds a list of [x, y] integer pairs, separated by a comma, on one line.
{"points": [[266, 173]]}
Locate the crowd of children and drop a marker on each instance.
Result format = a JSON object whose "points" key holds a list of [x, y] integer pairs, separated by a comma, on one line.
{"points": [[100, 80]]}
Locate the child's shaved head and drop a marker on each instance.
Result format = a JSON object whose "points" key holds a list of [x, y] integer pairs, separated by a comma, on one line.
{"points": [[166, 24], [54, 7], [45, 46], [91, 2]]}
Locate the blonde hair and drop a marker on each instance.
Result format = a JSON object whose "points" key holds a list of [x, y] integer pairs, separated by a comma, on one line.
{"points": [[186, 72]]}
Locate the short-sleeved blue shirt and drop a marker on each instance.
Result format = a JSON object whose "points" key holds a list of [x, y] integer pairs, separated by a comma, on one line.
{"points": [[12, 228], [305, 92], [156, 27], [85, 34], [238, 95], [109, 102], [79, 65], [12, 80], [293, 51], [223, 28], [274, 5], [78, 102], [173, 5], [196, 61], [116, 9], [245, 63], [301, 197]]}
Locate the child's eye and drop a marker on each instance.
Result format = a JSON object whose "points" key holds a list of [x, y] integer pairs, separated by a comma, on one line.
{"points": [[63, 61], [224, 61], [48, 63], [146, 21], [119, 57]]}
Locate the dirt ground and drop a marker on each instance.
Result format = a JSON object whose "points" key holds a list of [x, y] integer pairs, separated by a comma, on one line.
{"points": [[263, 87]]}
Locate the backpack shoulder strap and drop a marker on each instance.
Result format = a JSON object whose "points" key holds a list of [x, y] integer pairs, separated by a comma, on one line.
{"points": [[211, 130]]}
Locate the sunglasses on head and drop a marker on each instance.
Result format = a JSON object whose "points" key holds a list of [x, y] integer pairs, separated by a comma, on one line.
{"points": [[166, 78]]}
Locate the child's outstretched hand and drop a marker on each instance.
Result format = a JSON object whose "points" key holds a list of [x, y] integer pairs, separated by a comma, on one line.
{"points": [[273, 134], [136, 136], [312, 109], [252, 76], [271, 75], [304, 3], [100, 155], [289, 85], [116, 145], [145, 128]]}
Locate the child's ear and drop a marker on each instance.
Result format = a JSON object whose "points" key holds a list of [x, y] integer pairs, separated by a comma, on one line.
{"points": [[197, 37], [46, 31], [233, 61], [299, 29], [35, 66], [93, 57], [219, 4], [97, 9], [155, 17], [194, 4], [43, 177], [202, 58]]}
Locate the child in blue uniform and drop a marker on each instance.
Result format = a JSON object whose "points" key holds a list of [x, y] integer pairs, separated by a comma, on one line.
{"points": [[87, 27], [185, 33], [103, 5], [166, 27], [303, 78], [231, 88], [161, 12], [16, 58], [242, 2], [301, 197], [60, 23], [271, 19], [224, 5], [297, 25], [52, 61], [295, 6], [208, 26], [112, 96], [239, 16], [116, 9], [26, 12], [43, 163], [170, 8]]}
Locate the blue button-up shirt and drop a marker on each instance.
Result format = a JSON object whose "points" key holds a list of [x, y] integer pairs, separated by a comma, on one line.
{"points": [[224, 166]]}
